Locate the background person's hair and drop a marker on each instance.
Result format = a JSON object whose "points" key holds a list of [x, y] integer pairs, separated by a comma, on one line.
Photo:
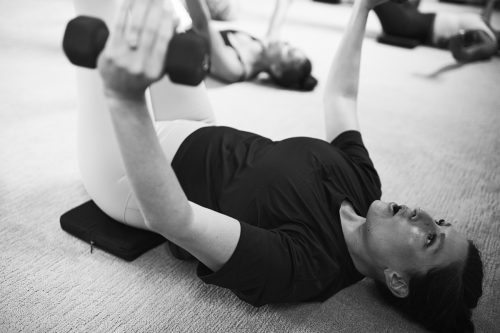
{"points": [[442, 299], [296, 76]]}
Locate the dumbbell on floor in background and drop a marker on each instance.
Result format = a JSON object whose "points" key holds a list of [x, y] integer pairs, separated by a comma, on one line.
{"points": [[187, 61]]}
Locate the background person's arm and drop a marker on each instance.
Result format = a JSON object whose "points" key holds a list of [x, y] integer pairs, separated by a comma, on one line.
{"points": [[277, 19], [225, 64], [473, 45]]}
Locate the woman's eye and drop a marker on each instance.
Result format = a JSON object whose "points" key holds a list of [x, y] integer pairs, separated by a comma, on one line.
{"points": [[430, 239]]}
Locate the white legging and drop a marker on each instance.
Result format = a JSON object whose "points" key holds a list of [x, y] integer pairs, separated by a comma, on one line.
{"points": [[177, 110]]}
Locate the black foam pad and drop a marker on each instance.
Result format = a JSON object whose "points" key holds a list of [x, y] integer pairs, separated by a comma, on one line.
{"points": [[90, 224], [84, 38]]}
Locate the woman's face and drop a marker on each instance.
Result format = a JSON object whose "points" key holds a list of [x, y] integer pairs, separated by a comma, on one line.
{"points": [[282, 55], [410, 240]]}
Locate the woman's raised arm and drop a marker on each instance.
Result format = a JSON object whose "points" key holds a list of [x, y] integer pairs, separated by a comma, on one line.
{"points": [[341, 93], [132, 60]]}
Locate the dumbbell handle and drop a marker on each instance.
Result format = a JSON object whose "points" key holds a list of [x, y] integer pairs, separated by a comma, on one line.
{"points": [[187, 60]]}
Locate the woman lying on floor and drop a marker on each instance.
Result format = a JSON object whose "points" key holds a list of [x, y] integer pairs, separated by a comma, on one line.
{"points": [[295, 220], [468, 37], [237, 56]]}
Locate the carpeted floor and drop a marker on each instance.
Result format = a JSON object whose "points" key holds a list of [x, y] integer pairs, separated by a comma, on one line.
{"points": [[432, 130]]}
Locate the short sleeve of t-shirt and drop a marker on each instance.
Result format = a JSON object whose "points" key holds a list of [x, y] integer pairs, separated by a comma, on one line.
{"points": [[351, 143], [260, 271]]}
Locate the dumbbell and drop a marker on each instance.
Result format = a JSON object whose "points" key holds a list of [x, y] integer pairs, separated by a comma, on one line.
{"points": [[187, 60]]}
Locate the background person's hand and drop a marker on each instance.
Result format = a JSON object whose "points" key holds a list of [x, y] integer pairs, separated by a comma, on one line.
{"points": [[135, 53], [472, 45]]}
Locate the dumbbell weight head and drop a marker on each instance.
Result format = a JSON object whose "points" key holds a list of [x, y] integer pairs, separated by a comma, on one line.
{"points": [[84, 38], [187, 61]]}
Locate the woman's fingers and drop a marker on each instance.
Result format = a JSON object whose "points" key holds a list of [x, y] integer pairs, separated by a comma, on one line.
{"points": [[117, 35], [152, 25], [168, 24], [136, 20], [135, 55], [121, 19], [157, 24]]}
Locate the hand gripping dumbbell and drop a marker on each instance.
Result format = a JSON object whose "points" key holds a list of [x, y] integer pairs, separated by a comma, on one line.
{"points": [[472, 45], [187, 60]]}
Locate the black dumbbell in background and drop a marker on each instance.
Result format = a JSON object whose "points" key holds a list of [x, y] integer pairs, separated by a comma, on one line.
{"points": [[187, 61]]}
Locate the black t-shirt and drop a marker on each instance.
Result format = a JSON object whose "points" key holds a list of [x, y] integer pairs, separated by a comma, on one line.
{"points": [[286, 195]]}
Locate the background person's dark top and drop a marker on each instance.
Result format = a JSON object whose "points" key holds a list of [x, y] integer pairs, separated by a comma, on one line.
{"points": [[406, 21], [286, 195], [225, 36]]}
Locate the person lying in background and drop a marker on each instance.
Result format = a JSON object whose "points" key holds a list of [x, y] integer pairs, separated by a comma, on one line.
{"points": [[467, 35], [238, 56]]}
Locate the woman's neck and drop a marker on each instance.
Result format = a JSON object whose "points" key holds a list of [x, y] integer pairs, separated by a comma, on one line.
{"points": [[262, 63], [353, 230], [266, 58], [257, 62]]}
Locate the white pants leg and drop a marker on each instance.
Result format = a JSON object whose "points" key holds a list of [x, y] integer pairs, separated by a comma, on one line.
{"points": [[178, 111]]}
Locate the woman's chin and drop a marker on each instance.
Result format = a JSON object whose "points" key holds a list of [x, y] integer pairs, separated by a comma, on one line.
{"points": [[378, 208], [378, 213]]}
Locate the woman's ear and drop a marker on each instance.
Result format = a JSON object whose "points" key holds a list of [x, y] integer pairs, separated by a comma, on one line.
{"points": [[397, 283]]}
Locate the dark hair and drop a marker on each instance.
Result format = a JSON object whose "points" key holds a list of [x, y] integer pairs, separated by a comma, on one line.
{"points": [[297, 76], [442, 299]]}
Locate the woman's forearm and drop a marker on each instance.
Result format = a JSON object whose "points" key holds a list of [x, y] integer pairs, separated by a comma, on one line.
{"points": [[153, 181], [343, 79]]}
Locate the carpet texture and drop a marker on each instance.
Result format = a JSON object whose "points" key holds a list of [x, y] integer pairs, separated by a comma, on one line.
{"points": [[432, 129]]}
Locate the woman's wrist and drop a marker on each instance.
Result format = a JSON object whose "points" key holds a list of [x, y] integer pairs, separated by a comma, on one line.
{"points": [[128, 98], [122, 102]]}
